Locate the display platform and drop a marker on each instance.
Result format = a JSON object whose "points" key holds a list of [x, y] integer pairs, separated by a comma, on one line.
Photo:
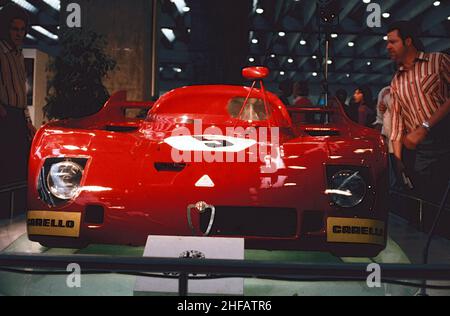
{"points": [[114, 285]]}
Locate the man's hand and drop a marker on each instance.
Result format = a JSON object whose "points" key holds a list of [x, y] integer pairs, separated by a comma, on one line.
{"points": [[31, 131], [402, 174], [415, 138], [3, 112]]}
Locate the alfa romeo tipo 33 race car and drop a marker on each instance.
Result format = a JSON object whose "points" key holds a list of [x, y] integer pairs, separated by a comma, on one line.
{"points": [[218, 161]]}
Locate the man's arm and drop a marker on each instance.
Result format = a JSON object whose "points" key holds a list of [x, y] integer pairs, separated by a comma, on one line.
{"points": [[398, 127], [440, 114], [398, 147], [397, 133], [416, 137], [445, 108]]}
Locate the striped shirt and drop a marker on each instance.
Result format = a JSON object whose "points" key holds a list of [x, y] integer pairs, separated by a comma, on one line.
{"points": [[417, 93], [12, 77]]}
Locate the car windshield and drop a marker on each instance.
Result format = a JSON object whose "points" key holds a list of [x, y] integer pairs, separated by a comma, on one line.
{"points": [[254, 109], [220, 105], [217, 108]]}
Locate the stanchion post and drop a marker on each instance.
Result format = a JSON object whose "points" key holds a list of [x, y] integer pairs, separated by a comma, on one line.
{"points": [[183, 284]]}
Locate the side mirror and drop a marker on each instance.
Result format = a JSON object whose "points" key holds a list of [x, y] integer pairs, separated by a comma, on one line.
{"points": [[255, 73]]}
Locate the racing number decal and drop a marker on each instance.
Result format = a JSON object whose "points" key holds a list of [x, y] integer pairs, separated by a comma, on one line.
{"points": [[214, 143]]}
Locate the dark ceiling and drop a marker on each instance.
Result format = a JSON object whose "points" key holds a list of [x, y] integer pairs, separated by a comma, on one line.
{"points": [[296, 55]]}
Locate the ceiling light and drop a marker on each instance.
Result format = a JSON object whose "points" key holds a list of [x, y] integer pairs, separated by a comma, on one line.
{"points": [[329, 62], [369, 63], [168, 33], [273, 56], [177, 69], [366, 1], [386, 15], [314, 57], [260, 10], [385, 37], [347, 75], [251, 59], [351, 44], [314, 74], [43, 31], [31, 37], [334, 35], [281, 34], [180, 4], [26, 5], [302, 42], [290, 60], [437, 3], [186, 9], [282, 73], [255, 41], [55, 4]]}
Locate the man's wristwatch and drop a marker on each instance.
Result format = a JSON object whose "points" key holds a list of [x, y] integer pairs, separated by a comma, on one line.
{"points": [[427, 126]]}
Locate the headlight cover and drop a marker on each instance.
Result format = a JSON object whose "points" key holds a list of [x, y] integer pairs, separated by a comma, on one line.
{"points": [[63, 180], [348, 188]]}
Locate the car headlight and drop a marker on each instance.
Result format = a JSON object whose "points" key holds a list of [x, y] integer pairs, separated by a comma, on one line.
{"points": [[64, 178], [348, 188]]}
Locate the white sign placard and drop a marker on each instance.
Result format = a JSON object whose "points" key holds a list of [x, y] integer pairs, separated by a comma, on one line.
{"points": [[197, 248]]}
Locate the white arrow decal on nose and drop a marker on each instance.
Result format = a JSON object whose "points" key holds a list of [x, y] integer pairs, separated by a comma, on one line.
{"points": [[205, 182]]}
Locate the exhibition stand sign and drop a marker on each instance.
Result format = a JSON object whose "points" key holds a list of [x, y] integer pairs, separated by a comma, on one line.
{"points": [[195, 248]]}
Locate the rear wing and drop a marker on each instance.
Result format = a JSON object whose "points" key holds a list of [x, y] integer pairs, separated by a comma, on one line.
{"points": [[116, 109], [114, 115]]}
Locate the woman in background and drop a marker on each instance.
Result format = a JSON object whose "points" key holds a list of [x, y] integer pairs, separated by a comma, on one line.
{"points": [[363, 111]]}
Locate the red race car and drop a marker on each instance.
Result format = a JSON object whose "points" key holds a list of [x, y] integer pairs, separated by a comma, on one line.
{"points": [[222, 161]]}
